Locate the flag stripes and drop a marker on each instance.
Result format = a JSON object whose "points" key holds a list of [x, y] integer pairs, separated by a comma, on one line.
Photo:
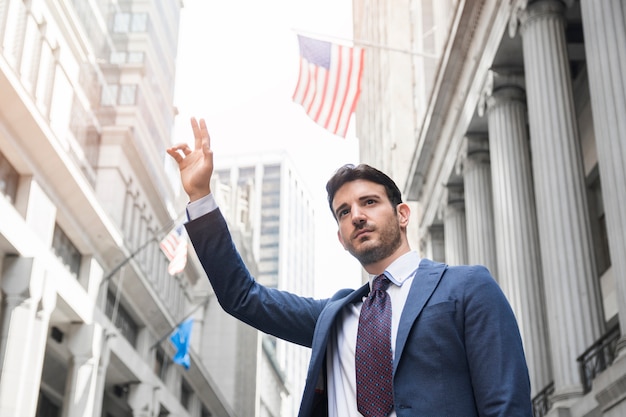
{"points": [[329, 81], [174, 246]]}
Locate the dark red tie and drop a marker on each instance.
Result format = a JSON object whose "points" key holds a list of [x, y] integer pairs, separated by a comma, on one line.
{"points": [[373, 360]]}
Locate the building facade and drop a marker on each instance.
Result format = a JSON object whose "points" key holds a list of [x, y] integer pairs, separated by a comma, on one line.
{"points": [[505, 123], [86, 194], [265, 197]]}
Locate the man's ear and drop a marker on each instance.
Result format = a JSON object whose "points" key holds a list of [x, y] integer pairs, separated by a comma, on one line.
{"points": [[340, 239], [404, 213]]}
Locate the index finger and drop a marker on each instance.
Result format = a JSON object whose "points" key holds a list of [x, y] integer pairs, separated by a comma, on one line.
{"points": [[196, 133]]}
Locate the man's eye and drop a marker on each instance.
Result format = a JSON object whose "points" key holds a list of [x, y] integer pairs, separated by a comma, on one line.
{"points": [[343, 213], [368, 202]]}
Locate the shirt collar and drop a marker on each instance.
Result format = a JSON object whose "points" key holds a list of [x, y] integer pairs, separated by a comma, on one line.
{"points": [[401, 269]]}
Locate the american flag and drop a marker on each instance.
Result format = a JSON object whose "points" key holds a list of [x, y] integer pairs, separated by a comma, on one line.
{"points": [[329, 82], [174, 246]]}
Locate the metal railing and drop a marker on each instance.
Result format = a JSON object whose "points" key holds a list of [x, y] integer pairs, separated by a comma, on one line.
{"points": [[542, 402], [598, 357]]}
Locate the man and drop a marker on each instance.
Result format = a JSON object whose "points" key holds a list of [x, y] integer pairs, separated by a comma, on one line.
{"points": [[448, 345]]}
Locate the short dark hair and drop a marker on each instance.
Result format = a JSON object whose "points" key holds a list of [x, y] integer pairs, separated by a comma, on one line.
{"points": [[350, 172]]}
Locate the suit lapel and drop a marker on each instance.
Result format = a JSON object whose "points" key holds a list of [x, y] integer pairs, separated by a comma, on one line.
{"points": [[424, 284], [328, 317]]}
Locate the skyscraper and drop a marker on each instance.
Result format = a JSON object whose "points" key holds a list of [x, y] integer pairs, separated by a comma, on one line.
{"points": [[269, 200]]}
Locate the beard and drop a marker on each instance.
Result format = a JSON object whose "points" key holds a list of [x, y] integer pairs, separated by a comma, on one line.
{"points": [[372, 250]]}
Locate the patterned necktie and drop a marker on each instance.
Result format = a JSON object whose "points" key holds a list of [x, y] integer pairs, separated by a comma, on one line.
{"points": [[373, 361]]}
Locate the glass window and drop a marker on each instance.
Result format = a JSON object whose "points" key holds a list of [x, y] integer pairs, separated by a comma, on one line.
{"points": [[118, 57], [598, 222], [160, 363], [122, 320], [8, 179], [185, 395], [128, 94], [46, 407], [135, 57], [139, 22], [109, 95], [65, 250], [121, 22]]}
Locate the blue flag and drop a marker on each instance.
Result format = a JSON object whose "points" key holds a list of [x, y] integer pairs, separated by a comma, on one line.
{"points": [[180, 339]]}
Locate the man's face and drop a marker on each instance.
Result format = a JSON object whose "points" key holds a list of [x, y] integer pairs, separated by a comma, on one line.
{"points": [[369, 225]]}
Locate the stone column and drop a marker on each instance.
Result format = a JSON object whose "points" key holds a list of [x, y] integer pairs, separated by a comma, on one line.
{"points": [[519, 259], [605, 34], [435, 246], [143, 400], [103, 364], [481, 241], [85, 344], [568, 267], [454, 228], [26, 308]]}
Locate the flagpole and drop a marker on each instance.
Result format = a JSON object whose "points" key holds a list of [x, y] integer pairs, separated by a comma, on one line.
{"points": [[158, 342], [364, 43], [120, 265], [126, 260], [155, 238]]}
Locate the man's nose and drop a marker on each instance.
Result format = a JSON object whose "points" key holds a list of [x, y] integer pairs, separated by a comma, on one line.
{"points": [[358, 217]]}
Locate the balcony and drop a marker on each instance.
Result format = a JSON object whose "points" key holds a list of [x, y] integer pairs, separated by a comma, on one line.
{"points": [[542, 402], [598, 357]]}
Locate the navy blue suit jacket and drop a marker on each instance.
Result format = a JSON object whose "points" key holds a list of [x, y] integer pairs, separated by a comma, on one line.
{"points": [[458, 350]]}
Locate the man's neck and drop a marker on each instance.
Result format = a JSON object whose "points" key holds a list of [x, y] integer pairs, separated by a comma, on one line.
{"points": [[379, 267]]}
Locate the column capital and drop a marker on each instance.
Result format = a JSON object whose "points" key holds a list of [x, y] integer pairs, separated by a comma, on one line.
{"points": [[518, 8], [475, 150], [455, 195], [497, 79], [17, 277], [506, 94], [142, 398], [85, 340], [522, 10]]}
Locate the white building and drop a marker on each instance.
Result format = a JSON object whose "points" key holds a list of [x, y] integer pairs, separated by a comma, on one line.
{"points": [[505, 122], [264, 196], [86, 194]]}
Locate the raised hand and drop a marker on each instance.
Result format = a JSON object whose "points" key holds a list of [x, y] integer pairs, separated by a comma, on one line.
{"points": [[196, 166]]}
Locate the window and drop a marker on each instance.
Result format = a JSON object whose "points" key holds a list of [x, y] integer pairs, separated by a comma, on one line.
{"points": [[139, 22], [124, 95], [122, 320], [47, 408], [135, 57], [8, 179], [128, 94], [65, 251], [126, 57], [130, 22], [598, 222], [600, 241], [185, 394], [121, 22], [160, 363], [117, 57], [109, 95]]}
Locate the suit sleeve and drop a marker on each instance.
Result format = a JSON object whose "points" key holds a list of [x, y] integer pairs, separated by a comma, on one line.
{"points": [[279, 313], [494, 349]]}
